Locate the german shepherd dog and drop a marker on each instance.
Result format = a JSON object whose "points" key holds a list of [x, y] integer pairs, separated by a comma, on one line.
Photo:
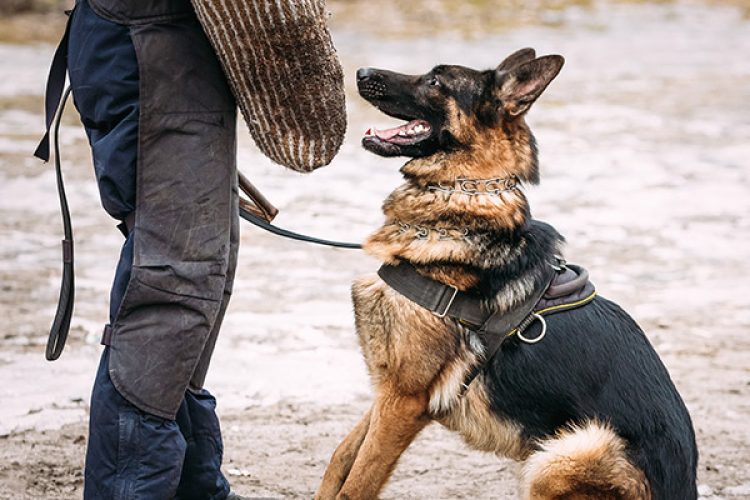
{"points": [[590, 411]]}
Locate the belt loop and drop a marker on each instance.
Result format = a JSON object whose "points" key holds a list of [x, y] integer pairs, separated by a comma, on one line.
{"points": [[107, 335], [127, 224]]}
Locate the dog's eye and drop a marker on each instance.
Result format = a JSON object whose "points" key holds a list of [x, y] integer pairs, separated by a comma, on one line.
{"points": [[433, 82]]}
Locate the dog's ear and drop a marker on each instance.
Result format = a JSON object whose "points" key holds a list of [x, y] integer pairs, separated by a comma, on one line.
{"points": [[516, 58], [521, 85]]}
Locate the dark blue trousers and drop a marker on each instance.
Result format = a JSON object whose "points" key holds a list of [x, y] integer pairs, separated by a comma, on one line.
{"points": [[134, 455], [131, 454]]}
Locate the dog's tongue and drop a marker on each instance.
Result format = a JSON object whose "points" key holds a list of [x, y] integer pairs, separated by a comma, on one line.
{"points": [[390, 133], [387, 133]]}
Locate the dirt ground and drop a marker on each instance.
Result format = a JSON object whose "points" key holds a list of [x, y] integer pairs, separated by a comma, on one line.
{"points": [[644, 152]]}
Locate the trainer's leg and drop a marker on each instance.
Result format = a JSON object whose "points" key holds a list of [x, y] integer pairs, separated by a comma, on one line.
{"points": [[201, 478], [104, 76], [130, 453], [201, 474]]}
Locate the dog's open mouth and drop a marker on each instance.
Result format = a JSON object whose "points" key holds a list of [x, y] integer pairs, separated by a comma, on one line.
{"points": [[405, 135], [397, 140]]}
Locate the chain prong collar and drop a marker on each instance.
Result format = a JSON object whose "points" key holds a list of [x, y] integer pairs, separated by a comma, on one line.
{"points": [[478, 187], [422, 232]]}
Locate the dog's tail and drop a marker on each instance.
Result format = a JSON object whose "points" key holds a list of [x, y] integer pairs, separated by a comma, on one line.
{"points": [[583, 462]]}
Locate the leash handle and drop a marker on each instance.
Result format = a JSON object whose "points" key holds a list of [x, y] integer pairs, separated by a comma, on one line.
{"points": [[262, 207]]}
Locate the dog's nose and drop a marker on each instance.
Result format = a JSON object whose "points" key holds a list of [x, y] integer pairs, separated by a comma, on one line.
{"points": [[364, 73]]}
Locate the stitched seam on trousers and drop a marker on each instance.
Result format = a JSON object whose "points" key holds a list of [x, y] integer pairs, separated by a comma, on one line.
{"points": [[126, 429]]}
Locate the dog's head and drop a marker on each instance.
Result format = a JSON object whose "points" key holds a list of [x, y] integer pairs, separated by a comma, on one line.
{"points": [[451, 107]]}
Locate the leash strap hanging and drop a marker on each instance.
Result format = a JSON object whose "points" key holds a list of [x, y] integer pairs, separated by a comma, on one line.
{"points": [[61, 325], [54, 104]]}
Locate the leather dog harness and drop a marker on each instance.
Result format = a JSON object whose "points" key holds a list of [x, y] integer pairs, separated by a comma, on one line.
{"points": [[567, 287]]}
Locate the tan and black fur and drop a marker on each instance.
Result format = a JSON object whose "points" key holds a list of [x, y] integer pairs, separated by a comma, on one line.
{"points": [[590, 410]]}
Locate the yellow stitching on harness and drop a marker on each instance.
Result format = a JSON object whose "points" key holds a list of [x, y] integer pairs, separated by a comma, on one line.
{"points": [[570, 304], [555, 308]]}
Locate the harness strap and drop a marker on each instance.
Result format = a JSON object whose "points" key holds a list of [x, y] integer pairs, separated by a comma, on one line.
{"points": [[578, 280], [564, 287], [502, 325], [443, 300], [446, 300]]}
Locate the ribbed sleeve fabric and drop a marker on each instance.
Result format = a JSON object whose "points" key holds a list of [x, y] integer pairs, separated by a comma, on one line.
{"points": [[284, 72]]}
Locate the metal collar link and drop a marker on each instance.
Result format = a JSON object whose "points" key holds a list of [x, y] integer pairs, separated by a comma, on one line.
{"points": [[478, 187], [423, 232]]}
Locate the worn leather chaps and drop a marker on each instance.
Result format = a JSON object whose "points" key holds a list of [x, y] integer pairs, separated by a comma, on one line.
{"points": [[186, 224]]}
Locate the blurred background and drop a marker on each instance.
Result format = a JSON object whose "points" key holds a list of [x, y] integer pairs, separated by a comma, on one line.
{"points": [[645, 169]]}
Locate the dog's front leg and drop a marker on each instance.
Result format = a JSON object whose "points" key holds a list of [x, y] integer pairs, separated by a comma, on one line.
{"points": [[395, 422], [342, 460]]}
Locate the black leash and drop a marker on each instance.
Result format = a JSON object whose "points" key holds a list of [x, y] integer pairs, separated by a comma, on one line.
{"points": [[58, 333], [54, 105], [254, 219]]}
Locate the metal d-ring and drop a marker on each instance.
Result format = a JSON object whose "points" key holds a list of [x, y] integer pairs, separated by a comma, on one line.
{"points": [[539, 337]]}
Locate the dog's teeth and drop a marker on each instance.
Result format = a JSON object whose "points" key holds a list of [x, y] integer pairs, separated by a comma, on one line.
{"points": [[412, 132], [402, 133], [418, 129]]}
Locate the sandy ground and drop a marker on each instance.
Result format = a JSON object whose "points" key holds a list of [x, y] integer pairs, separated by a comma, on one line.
{"points": [[645, 170]]}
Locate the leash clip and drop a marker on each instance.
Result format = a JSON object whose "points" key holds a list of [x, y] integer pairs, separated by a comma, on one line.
{"points": [[450, 303]]}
